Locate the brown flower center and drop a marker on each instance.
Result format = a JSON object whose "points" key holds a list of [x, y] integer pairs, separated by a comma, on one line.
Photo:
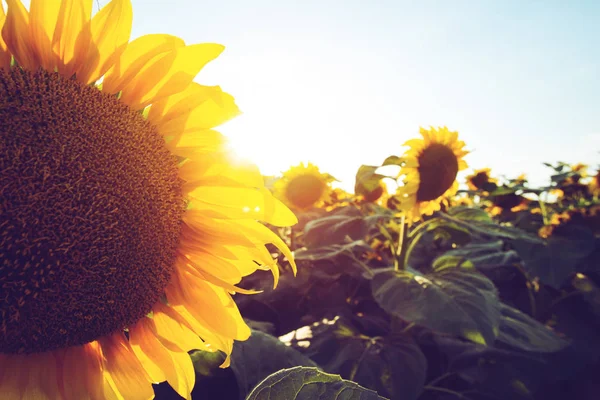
{"points": [[90, 213], [438, 166], [304, 191], [480, 179]]}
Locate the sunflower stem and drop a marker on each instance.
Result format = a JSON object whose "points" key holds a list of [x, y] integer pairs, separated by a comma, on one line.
{"points": [[544, 210], [399, 246]]}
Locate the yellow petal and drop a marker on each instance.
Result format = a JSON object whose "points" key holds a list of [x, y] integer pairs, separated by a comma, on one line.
{"points": [[184, 379], [211, 110], [225, 270], [152, 355], [190, 143], [110, 29], [82, 377], [219, 169], [72, 35], [137, 54], [29, 376], [195, 269], [211, 306], [214, 341], [16, 35], [124, 368], [43, 15], [161, 363], [180, 104], [168, 73], [242, 203], [5, 56], [173, 331]]}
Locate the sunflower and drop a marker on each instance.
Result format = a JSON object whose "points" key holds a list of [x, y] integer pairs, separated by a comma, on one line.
{"points": [[303, 187], [429, 168], [379, 195], [481, 180], [124, 222]]}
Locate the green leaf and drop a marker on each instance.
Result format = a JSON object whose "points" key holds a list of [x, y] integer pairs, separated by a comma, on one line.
{"points": [[452, 301], [464, 213], [333, 229], [451, 261], [260, 356], [393, 160], [366, 179], [394, 366], [302, 383], [522, 332]]}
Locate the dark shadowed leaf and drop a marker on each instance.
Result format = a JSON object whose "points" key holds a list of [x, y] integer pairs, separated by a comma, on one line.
{"points": [[483, 255], [503, 374], [520, 331], [260, 356], [453, 301], [555, 260], [302, 383], [331, 251], [333, 229]]}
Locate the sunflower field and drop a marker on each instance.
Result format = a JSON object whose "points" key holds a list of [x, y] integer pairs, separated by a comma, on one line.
{"points": [[140, 259], [427, 291]]}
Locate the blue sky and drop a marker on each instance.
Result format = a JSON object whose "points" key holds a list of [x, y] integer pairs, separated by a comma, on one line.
{"points": [[344, 83]]}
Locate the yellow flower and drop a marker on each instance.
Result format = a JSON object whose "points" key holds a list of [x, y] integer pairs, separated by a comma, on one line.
{"points": [[121, 209], [481, 180], [429, 168], [303, 187]]}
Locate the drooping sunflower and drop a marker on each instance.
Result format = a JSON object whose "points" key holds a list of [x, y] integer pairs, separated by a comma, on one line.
{"points": [[429, 170], [303, 187], [124, 222], [379, 195], [594, 185], [481, 180]]}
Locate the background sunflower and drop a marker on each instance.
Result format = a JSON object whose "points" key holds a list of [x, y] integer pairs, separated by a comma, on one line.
{"points": [[429, 169], [303, 187]]}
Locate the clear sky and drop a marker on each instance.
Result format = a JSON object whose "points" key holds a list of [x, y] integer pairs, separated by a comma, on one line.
{"points": [[346, 82]]}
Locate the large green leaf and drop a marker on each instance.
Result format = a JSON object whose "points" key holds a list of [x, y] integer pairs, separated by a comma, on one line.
{"points": [[522, 332], [555, 260], [453, 301], [302, 383], [260, 356], [394, 366], [333, 229]]}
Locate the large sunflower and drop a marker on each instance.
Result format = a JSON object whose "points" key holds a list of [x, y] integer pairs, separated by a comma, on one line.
{"points": [[429, 169], [124, 224], [303, 187]]}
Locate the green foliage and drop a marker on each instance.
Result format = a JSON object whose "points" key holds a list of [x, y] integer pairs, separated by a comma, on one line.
{"points": [[301, 383], [260, 356], [474, 302], [453, 301]]}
